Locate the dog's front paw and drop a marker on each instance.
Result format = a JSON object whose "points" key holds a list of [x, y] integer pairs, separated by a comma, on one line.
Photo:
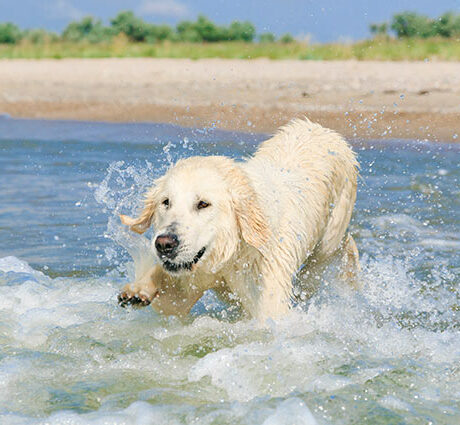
{"points": [[129, 297], [125, 299]]}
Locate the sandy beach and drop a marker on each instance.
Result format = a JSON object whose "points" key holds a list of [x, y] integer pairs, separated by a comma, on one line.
{"points": [[359, 99]]}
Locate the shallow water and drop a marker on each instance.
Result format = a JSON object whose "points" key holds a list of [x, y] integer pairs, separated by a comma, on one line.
{"points": [[389, 354]]}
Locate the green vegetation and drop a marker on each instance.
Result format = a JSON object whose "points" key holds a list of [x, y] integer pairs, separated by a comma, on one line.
{"points": [[9, 33], [203, 30], [286, 38], [417, 37], [139, 31], [413, 25], [379, 29], [88, 29], [120, 46], [267, 37]]}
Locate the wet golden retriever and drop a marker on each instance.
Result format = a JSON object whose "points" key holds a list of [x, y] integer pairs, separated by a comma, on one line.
{"points": [[245, 229]]}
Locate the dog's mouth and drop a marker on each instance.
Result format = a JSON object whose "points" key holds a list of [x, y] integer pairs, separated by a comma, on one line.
{"points": [[176, 267]]}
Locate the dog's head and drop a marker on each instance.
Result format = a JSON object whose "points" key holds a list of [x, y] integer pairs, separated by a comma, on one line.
{"points": [[201, 210]]}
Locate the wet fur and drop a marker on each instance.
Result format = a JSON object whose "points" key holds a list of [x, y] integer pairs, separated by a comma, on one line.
{"points": [[288, 205]]}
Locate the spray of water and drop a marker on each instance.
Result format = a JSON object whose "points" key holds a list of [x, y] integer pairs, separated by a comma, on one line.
{"points": [[386, 354]]}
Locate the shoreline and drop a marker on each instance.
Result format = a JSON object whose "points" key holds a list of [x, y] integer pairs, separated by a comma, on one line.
{"points": [[367, 100]]}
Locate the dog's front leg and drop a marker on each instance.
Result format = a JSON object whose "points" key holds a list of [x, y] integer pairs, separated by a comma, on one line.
{"points": [[166, 294], [275, 296], [142, 291], [176, 299]]}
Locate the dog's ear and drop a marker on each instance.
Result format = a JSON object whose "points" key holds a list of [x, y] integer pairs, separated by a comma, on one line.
{"points": [[251, 220], [143, 222], [252, 223]]}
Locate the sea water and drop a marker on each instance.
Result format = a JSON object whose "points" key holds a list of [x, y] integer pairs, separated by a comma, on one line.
{"points": [[388, 354]]}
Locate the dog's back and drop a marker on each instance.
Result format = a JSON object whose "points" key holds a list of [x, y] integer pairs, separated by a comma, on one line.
{"points": [[306, 177]]}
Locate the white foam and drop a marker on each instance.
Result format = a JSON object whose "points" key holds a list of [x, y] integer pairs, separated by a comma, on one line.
{"points": [[35, 305], [70, 333], [13, 264], [400, 222], [392, 402], [441, 244], [138, 413], [289, 412]]}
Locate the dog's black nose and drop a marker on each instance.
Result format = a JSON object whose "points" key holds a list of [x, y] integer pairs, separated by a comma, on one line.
{"points": [[166, 245]]}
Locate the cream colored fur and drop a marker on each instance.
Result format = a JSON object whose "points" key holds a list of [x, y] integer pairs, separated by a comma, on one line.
{"points": [[287, 206]]}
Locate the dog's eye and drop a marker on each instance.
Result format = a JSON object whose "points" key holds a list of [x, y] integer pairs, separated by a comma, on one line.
{"points": [[202, 204], [166, 203]]}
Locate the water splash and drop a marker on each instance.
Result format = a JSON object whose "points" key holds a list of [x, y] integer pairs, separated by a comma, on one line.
{"points": [[386, 354], [369, 349], [120, 191]]}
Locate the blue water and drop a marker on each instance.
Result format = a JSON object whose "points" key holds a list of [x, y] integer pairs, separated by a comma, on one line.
{"points": [[50, 171], [69, 354]]}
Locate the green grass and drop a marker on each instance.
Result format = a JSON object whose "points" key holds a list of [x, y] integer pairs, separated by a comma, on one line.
{"points": [[375, 49]]}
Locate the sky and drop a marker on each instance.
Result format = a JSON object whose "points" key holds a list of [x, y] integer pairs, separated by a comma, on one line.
{"points": [[320, 20]]}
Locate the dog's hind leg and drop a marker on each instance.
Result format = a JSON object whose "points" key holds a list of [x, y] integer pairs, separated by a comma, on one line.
{"points": [[350, 267], [344, 263], [309, 278]]}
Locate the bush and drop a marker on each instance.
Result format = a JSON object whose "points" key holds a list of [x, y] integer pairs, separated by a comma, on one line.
{"points": [[87, 29], [9, 33], [208, 31], [100, 33], [156, 33], [379, 29], [241, 31], [267, 37], [39, 36], [286, 38], [205, 30], [448, 25], [186, 31], [77, 31], [135, 28], [411, 24]]}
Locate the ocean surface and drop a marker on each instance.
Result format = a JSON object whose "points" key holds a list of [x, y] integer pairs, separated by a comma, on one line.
{"points": [[388, 354]]}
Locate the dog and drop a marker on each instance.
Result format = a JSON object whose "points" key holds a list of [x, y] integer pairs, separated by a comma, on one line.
{"points": [[249, 230]]}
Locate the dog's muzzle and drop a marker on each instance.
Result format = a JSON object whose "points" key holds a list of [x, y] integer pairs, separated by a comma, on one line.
{"points": [[166, 245], [175, 267]]}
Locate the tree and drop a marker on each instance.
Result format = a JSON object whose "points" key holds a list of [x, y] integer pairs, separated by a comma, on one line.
{"points": [[448, 25], [9, 33], [87, 29], [241, 31], [209, 31], [205, 30], [411, 24], [187, 31], [135, 28], [77, 31], [157, 33]]}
